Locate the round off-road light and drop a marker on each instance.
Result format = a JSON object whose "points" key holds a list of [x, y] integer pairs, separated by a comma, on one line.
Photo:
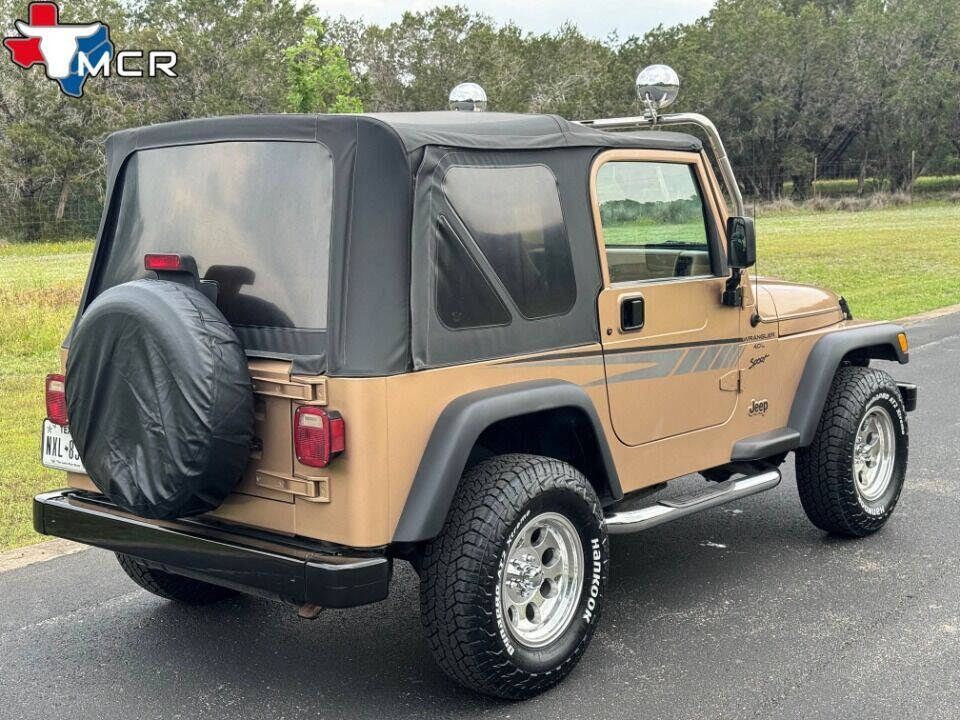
{"points": [[658, 86], [468, 97]]}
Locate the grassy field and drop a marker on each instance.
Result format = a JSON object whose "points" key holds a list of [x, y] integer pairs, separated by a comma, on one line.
{"points": [[888, 263], [39, 289], [648, 233]]}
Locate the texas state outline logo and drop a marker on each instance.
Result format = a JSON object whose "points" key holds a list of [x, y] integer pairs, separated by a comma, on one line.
{"points": [[72, 53]]}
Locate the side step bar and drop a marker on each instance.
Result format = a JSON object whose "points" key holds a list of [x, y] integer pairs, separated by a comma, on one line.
{"points": [[631, 521]]}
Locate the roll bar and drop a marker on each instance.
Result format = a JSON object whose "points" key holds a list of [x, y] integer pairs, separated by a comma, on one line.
{"points": [[704, 123]]}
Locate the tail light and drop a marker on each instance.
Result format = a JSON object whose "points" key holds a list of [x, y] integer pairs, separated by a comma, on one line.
{"points": [[56, 397], [318, 435], [163, 262]]}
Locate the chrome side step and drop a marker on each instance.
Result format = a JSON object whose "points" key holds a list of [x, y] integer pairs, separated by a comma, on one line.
{"points": [[631, 521]]}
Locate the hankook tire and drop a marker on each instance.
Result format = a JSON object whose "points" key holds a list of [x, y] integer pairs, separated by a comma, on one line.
{"points": [[512, 589], [850, 477]]}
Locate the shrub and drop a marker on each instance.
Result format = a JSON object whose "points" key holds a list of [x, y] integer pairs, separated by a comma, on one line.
{"points": [[897, 199], [819, 204], [850, 204], [780, 205], [837, 187]]}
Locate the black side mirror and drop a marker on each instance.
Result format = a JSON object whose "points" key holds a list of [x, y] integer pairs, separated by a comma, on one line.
{"points": [[741, 243]]}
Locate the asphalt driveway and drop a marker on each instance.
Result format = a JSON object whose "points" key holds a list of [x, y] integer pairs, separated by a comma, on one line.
{"points": [[740, 612]]}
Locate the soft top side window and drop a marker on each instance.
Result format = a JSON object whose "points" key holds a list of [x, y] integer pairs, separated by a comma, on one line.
{"points": [[513, 215], [465, 297]]}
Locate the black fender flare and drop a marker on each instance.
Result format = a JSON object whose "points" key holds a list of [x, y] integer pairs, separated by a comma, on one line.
{"points": [[875, 341], [866, 342], [456, 431]]}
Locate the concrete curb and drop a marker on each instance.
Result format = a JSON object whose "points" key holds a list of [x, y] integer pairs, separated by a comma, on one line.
{"points": [[930, 315], [41, 552]]}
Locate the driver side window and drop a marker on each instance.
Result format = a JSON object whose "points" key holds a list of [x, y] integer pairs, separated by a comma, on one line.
{"points": [[654, 225]]}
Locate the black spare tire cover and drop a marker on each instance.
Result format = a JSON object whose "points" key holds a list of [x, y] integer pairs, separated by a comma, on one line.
{"points": [[159, 399]]}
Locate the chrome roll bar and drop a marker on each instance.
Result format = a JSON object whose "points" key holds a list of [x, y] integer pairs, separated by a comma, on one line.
{"points": [[701, 121]]}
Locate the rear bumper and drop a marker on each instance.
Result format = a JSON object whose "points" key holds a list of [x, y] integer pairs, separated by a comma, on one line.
{"points": [[274, 567]]}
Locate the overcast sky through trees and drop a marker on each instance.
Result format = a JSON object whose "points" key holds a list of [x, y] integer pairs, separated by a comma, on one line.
{"points": [[844, 92], [627, 17]]}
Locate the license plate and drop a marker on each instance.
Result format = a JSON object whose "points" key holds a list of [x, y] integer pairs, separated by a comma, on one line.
{"points": [[58, 451]]}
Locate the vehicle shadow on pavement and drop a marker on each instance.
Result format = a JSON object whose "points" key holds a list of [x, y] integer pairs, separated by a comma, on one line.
{"points": [[695, 611], [256, 654]]}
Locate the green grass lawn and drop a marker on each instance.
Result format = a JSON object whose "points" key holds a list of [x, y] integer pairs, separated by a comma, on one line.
{"points": [[648, 233], [39, 290], [888, 263]]}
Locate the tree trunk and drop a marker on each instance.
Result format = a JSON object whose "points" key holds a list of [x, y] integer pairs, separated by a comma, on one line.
{"points": [[801, 187], [898, 180], [62, 202]]}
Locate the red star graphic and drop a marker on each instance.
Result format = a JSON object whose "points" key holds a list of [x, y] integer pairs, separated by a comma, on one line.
{"points": [[26, 51]]}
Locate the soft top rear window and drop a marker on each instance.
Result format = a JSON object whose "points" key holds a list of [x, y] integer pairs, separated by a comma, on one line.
{"points": [[256, 216], [513, 214]]}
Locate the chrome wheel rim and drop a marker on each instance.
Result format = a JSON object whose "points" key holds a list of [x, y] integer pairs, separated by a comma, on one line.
{"points": [[874, 454], [542, 580]]}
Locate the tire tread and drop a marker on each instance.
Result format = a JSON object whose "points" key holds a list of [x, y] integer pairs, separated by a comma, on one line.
{"points": [[458, 579], [824, 468]]}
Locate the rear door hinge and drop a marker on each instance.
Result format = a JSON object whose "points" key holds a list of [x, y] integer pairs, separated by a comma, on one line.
{"points": [[312, 489]]}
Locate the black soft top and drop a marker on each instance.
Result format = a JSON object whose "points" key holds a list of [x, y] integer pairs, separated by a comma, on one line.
{"points": [[510, 131], [387, 170], [415, 130]]}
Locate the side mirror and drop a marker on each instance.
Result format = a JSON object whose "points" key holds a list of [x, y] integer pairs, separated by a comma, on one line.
{"points": [[741, 243]]}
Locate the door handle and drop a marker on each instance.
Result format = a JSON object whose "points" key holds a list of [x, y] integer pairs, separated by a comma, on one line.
{"points": [[631, 314]]}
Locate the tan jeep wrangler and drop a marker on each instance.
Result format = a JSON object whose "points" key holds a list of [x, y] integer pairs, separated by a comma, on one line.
{"points": [[477, 342]]}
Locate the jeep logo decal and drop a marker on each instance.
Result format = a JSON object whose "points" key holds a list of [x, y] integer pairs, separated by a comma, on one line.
{"points": [[758, 407]]}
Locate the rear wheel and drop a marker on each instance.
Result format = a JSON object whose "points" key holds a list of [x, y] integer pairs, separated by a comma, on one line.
{"points": [[511, 590], [851, 476], [172, 587]]}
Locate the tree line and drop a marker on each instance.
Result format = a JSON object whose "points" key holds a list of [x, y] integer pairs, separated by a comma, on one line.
{"points": [[246, 56], [872, 86], [869, 84]]}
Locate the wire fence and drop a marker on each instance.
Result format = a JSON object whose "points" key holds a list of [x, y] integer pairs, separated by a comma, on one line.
{"points": [[846, 178], [50, 215]]}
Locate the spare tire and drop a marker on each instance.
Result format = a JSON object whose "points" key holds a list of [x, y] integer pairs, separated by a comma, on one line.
{"points": [[160, 399]]}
